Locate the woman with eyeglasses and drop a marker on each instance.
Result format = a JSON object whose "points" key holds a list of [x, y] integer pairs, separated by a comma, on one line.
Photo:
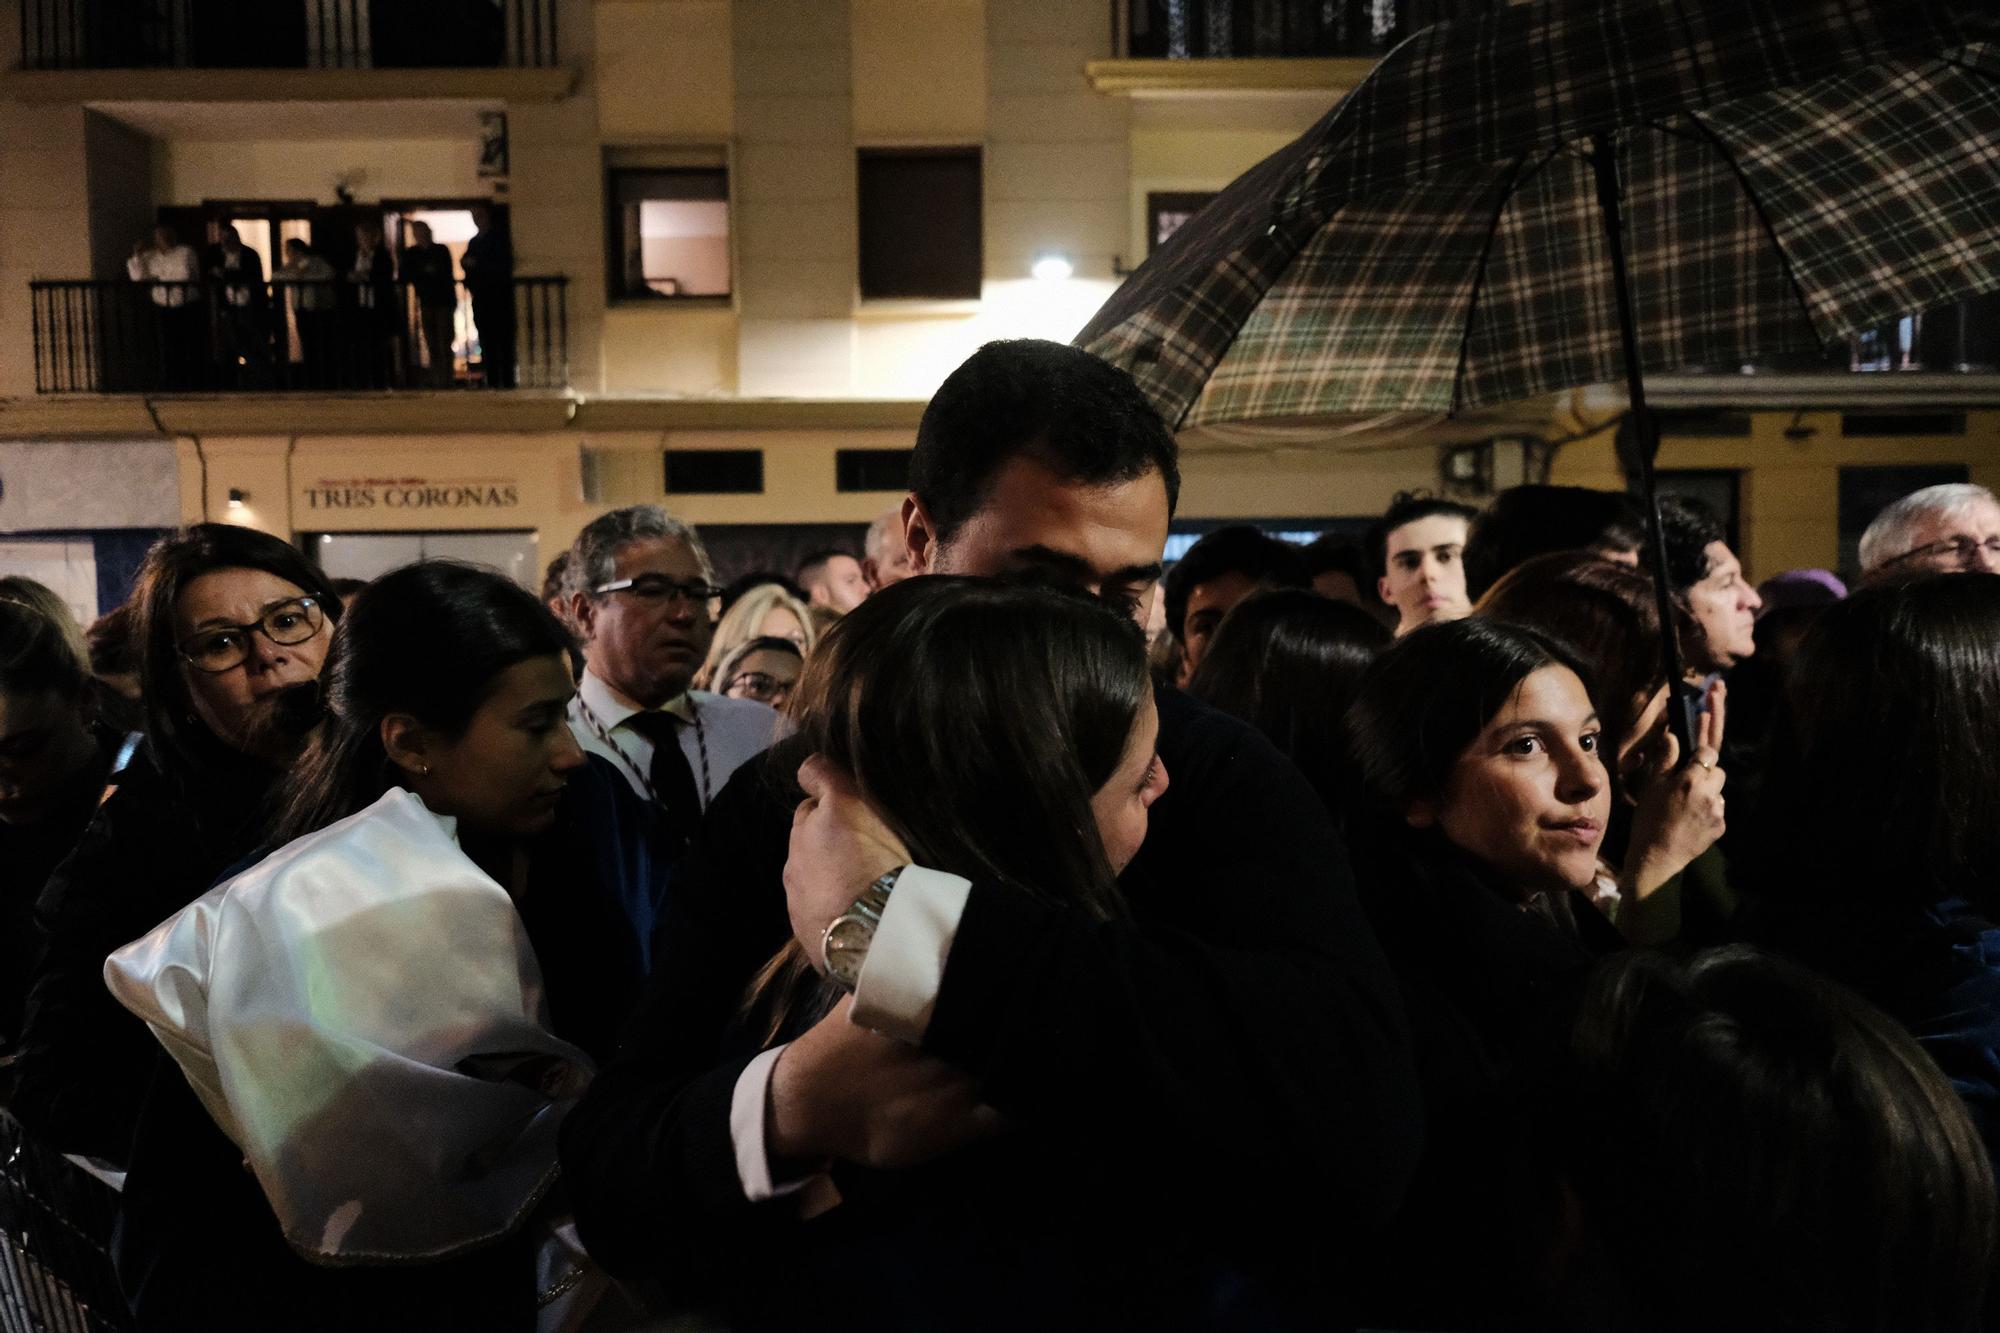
{"points": [[231, 626], [764, 668]]}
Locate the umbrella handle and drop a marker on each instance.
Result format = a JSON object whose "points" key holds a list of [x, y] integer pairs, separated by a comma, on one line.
{"points": [[1681, 711]]}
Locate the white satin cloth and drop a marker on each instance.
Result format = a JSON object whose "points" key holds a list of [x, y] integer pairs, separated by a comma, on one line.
{"points": [[362, 1014]]}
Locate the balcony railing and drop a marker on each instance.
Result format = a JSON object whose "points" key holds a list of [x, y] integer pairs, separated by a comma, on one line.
{"points": [[205, 337], [1198, 29], [288, 34]]}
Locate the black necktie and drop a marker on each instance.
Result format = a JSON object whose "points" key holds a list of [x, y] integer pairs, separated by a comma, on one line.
{"points": [[672, 777]]}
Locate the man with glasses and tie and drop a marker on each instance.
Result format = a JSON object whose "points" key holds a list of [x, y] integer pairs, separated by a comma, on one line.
{"points": [[645, 605], [1949, 529]]}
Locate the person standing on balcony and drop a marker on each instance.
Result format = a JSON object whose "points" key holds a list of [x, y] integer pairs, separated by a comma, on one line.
{"points": [[427, 269], [172, 271], [376, 314], [489, 277], [246, 333], [310, 280]]}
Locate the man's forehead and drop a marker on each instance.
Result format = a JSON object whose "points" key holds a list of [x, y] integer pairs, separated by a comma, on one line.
{"points": [[1107, 525], [665, 555], [1978, 519], [1721, 560]]}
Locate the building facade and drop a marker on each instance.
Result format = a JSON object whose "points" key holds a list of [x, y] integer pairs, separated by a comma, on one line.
{"points": [[748, 238]]}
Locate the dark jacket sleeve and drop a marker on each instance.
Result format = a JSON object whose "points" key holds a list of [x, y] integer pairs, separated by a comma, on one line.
{"points": [[1242, 1031], [647, 1155], [83, 1061]]}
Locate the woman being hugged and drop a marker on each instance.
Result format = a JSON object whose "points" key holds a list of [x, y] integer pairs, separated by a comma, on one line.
{"points": [[389, 1014], [1002, 734]]}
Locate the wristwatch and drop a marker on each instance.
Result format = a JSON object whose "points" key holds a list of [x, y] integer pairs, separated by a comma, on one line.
{"points": [[843, 948]]}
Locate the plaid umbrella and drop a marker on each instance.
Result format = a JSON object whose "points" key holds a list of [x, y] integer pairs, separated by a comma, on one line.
{"points": [[1785, 172]]}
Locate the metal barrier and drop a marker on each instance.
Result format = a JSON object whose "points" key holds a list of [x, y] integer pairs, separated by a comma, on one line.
{"points": [[1210, 29], [55, 1232], [205, 337], [288, 34]]}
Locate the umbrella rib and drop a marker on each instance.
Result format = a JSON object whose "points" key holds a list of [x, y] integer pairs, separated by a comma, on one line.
{"points": [[1763, 218], [1513, 182]]}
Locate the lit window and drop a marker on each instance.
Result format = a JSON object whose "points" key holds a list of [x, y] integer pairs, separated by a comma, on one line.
{"points": [[669, 232]]}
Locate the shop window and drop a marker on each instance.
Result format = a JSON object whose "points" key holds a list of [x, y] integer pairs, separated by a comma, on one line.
{"points": [[669, 232], [921, 231]]}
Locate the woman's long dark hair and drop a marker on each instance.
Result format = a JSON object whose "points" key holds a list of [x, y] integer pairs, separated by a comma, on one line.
{"points": [[1429, 696], [429, 639], [1756, 1148], [1288, 662], [187, 753], [1884, 784], [979, 718]]}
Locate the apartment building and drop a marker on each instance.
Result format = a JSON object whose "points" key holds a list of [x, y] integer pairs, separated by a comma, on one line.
{"points": [[748, 237]]}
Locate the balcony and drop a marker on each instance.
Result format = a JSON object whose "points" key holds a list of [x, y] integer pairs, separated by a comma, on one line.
{"points": [[98, 337], [286, 50], [1182, 46]]}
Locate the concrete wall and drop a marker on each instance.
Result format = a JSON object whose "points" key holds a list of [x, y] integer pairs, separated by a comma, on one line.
{"points": [[795, 197], [556, 192], [44, 222], [919, 71], [663, 68], [190, 171], [120, 180]]}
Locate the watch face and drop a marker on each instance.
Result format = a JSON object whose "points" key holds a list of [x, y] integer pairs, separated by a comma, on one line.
{"points": [[846, 949]]}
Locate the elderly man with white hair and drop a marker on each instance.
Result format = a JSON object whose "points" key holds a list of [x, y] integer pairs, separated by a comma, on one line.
{"points": [[1950, 529]]}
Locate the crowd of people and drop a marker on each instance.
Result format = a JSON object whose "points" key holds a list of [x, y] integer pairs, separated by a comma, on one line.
{"points": [[387, 318], [913, 943]]}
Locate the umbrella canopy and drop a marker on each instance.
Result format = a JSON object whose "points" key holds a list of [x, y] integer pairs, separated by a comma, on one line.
{"points": [[1789, 171]]}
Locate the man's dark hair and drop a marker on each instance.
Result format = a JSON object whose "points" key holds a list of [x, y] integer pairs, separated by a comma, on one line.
{"points": [[1330, 553], [1526, 521], [815, 564], [1408, 507], [1238, 549], [1079, 416], [1688, 526]]}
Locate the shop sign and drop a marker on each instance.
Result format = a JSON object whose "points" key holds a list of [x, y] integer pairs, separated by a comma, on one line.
{"points": [[329, 495]]}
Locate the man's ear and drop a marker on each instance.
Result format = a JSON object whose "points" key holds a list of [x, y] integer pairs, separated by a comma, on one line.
{"points": [[583, 615], [1421, 814], [1382, 591], [919, 535], [408, 743]]}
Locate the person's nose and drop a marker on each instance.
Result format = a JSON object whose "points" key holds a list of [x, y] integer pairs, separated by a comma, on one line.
{"points": [[265, 654], [1579, 774], [1752, 601], [566, 754]]}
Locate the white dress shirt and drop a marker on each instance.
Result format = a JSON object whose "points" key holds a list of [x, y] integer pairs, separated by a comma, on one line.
{"points": [[179, 264], [734, 731]]}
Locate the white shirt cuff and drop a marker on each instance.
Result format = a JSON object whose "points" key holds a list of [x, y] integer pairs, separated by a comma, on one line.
{"points": [[746, 1131], [898, 986]]}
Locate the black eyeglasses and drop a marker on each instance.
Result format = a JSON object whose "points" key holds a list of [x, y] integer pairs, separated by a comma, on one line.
{"points": [[758, 685], [1964, 550], [660, 588], [221, 648]]}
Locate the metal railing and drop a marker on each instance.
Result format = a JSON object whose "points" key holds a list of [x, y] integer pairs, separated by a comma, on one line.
{"points": [[1206, 29], [55, 1230], [218, 336], [288, 34]]}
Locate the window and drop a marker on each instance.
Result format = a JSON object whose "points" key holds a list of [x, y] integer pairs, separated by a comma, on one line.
{"points": [[669, 232], [920, 223], [871, 469], [1166, 212], [715, 472]]}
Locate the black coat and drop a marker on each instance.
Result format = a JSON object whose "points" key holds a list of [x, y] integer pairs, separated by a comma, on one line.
{"points": [[1492, 991], [1176, 1086]]}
